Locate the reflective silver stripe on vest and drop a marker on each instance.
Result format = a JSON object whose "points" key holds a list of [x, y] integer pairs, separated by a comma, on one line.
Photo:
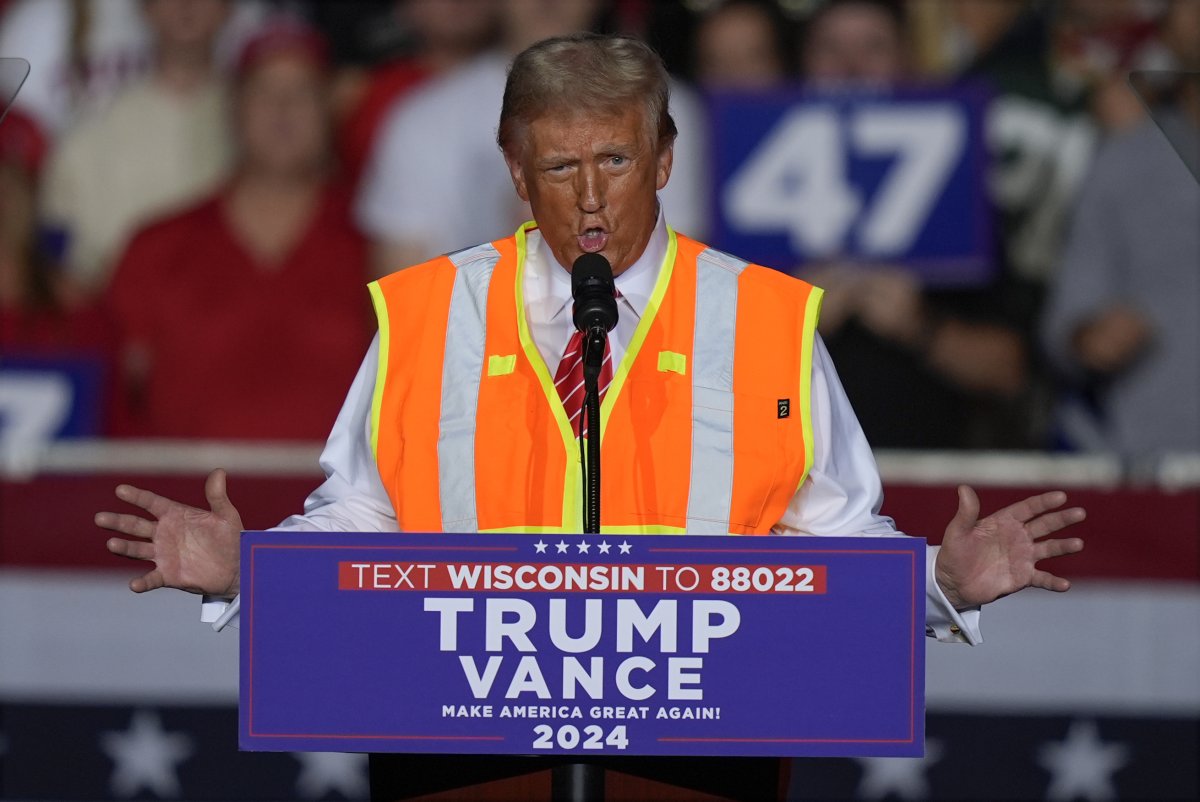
{"points": [[710, 494], [462, 367]]}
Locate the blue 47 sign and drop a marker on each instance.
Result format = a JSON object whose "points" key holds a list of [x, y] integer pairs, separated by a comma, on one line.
{"points": [[526, 644], [893, 177]]}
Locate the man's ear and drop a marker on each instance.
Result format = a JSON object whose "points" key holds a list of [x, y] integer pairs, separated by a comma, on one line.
{"points": [[517, 173], [666, 157]]}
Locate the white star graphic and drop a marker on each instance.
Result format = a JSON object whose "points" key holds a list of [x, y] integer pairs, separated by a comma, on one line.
{"points": [[904, 777], [583, 547], [322, 772], [1082, 765], [624, 547], [540, 547], [561, 546], [604, 547], [145, 757]]}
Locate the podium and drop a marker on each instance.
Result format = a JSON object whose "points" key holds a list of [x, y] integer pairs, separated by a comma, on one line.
{"points": [[661, 666]]}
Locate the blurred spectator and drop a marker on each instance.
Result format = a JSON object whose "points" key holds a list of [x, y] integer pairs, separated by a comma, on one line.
{"points": [[84, 51], [1038, 129], [1041, 138], [246, 316], [161, 143], [437, 180], [1179, 33], [24, 278], [859, 43], [360, 33], [81, 53], [922, 368], [1122, 320], [1096, 44], [445, 34], [743, 44], [38, 313], [55, 349]]}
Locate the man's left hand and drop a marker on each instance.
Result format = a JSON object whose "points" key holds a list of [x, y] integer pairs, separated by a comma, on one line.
{"points": [[983, 560]]}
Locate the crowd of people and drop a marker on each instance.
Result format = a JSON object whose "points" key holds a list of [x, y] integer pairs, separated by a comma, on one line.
{"points": [[195, 192]]}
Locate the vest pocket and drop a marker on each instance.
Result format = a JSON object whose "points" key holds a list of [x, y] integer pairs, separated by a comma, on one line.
{"points": [[734, 474]]}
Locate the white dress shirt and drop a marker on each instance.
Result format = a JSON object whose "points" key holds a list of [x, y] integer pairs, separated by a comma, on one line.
{"points": [[841, 496]]}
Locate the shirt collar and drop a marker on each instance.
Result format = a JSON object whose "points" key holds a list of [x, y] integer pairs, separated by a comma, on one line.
{"points": [[552, 282]]}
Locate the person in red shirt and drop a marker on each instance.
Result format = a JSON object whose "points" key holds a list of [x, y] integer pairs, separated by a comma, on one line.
{"points": [[56, 345], [447, 34], [245, 316], [41, 312]]}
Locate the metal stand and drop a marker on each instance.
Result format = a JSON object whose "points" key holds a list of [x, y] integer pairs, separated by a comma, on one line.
{"points": [[583, 782], [577, 782]]}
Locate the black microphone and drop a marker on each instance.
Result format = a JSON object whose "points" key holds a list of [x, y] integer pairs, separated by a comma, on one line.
{"points": [[595, 315], [594, 293]]}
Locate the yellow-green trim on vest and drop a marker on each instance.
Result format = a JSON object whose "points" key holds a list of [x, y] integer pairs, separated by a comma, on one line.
{"points": [[639, 334], [572, 492], [385, 339], [812, 310]]}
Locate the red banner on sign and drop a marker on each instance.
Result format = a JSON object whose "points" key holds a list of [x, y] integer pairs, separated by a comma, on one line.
{"points": [[589, 578]]}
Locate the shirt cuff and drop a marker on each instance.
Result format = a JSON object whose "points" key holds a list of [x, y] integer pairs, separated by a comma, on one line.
{"points": [[220, 612], [942, 621]]}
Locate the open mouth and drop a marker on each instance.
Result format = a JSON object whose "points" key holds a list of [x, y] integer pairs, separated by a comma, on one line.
{"points": [[593, 240]]}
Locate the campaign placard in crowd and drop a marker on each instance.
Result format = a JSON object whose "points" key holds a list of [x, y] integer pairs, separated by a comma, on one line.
{"points": [[878, 176], [45, 398], [583, 644]]}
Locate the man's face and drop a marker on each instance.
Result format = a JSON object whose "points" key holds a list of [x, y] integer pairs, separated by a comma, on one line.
{"points": [[529, 21], [854, 44], [591, 182], [186, 23], [283, 115], [454, 25], [735, 49]]}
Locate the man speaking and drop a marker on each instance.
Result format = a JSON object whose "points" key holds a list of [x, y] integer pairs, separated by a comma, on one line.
{"points": [[721, 413]]}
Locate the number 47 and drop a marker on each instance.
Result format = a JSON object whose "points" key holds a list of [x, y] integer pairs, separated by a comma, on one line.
{"points": [[797, 180]]}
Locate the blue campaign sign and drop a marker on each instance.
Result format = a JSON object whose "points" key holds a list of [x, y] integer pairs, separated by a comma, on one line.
{"points": [[873, 176], [582, 644], [45, 398]]}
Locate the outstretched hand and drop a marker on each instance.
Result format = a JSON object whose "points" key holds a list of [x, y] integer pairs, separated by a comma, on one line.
{"points": [[192, 549], [983, 560]]}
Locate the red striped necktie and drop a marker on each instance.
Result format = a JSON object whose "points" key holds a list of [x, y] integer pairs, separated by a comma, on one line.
{"points": [[569, 379]]}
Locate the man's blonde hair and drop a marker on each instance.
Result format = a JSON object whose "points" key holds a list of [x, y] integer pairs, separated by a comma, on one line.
{"points": [[588, 73]]}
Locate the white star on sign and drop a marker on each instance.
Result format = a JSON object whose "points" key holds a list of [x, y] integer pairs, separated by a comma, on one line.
{"points": [[145, 757], [1082, 765], [540, 547], [561, 546], [624, 547], [904, 777], [604, 547], [583, 547], [323, 772]]}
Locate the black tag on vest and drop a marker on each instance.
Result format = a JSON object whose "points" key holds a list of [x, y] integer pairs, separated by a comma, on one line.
{"points": [[784, 407]]}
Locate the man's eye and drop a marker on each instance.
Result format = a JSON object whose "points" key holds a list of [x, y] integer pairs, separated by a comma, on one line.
{"points": [[617, 161]]}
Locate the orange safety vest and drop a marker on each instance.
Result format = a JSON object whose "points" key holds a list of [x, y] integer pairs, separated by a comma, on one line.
{"points": [[706, 427]]}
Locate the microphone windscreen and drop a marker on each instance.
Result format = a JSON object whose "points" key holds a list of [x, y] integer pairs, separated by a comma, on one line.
{"points": [[589, 270], [592, 289]]}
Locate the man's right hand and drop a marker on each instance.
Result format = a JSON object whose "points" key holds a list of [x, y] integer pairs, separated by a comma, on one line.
{"points": [[1111, 340], [192, 549]]}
